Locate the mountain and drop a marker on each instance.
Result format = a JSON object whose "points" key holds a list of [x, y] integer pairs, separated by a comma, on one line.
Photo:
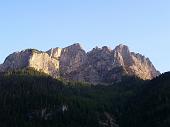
{"points": [[101, 65]]}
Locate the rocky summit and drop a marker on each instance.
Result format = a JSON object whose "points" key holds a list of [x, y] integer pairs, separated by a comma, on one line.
{"points": [[101, 65]]}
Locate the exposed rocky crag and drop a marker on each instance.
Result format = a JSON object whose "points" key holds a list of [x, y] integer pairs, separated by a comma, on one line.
{"points": [[101, 65]]}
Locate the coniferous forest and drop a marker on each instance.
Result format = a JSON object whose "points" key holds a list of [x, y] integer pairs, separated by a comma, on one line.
{"points": [[33, 99]]}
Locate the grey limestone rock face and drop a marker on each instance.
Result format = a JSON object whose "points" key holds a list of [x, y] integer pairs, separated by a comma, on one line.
{"points": [[43, 62], [17, 60], [100, 65], [54, 53], [71, 60], [38, 60], [135, 64]]}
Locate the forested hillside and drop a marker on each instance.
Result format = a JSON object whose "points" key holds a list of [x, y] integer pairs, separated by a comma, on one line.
{"points": [[32, 99], [151, 106]]}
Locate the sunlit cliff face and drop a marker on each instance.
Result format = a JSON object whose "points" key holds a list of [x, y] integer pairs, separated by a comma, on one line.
{"points": [[73, 63]]}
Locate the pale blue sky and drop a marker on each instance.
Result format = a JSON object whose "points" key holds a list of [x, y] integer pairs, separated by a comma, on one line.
{"points": [[143, 25]]}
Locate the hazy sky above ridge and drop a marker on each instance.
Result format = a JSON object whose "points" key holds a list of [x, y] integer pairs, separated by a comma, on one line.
{"points": [[143, 25]]}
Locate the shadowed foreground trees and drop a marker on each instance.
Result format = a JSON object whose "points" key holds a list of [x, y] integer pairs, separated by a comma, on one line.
{"points": [[31, 99]]}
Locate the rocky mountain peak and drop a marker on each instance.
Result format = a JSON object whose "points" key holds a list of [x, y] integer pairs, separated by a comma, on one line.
{"points": [[54, 52], [72, 57], [76, 46], [100, 65], [122, 55], [96, 50], [106, 49], [122, 49]]}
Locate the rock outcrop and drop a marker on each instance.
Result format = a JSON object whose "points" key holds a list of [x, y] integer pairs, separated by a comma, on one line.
{"points": [[32, 58], [72, 58], [134, 64], [101, 65]]}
